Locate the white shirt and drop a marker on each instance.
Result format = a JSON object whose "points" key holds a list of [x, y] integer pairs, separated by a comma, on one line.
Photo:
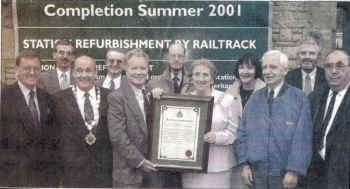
{"points": [[108, 80], [276, 90], [139, 98], [312, 78], [179, 75], [59, 74], [337, 103], [81, 101], [25, 91]]}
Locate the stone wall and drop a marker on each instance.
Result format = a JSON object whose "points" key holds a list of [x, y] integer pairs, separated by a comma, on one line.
{"points": [[293, 21]]}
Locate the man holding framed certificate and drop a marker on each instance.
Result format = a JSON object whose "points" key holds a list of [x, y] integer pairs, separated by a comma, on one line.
{"points": [[128, 123]]}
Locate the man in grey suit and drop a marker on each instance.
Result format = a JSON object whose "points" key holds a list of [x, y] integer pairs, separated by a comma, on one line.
{"points": [[128, 118], [59, 79], [115, 58], [174, 79]]}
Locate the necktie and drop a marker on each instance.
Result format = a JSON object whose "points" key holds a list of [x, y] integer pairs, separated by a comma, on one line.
{"points": [[88, 111], [307, 87], [33, 108], [112, 86], [147, 108], [64, 81], [176, 84], [328, 116], [270, 101]]}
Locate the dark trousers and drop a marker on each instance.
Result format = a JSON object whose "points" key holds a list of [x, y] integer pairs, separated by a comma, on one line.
{"points": [[317, 176], [261, 180]]}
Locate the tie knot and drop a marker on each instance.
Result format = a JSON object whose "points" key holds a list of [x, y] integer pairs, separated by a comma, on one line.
{"points": [[176, 78], [64, 75], [334, 93], [307, 76], [31, 93], [86, 95], [144, 92]]}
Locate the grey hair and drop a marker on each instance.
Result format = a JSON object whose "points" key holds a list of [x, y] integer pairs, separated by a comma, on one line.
{"points": [[85, 56], [277, 54], [338, 52], [136, 53], [114, 50], [309, 41]]}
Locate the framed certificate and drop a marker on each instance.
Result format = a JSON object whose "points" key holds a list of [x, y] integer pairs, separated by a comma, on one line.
{"points": [[179, 124]]}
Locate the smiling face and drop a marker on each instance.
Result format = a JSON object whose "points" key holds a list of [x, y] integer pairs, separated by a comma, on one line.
{"points": [[84, 73], [273, 71], [176, 56], [307, 57], [64, 57], [202, 79], [337, 70], [137, 71], [28, 71], [246, 73], [114, 61]]}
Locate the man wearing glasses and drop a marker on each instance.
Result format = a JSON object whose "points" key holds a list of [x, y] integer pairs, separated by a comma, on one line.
{"points": [[115, 59], [330, 110], [59, 79], [27, 136], [174, 79]]}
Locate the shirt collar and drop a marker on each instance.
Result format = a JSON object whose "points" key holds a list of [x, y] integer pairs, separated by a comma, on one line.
{"points": [[277, 89], [24, 89], [312, 74], [137, 90], [179, 75], [59, 72], [341, 92], [109, 78], [92, 93]]}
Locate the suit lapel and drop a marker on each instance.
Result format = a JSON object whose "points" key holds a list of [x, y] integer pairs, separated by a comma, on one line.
{"points": [[76, 115], [299, 79], [54, 80], [24, 112], [134, 107], [340, 117]]}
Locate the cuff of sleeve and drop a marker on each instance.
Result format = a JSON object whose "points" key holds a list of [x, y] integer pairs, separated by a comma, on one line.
{"points": [[140, 164]]}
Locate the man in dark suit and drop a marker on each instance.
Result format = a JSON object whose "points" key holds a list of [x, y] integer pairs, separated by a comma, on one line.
{"points": [[309, 76], [59, 79], [128, 123], [330, 110], [174, 79], [27, 135], [86, 151], [115, 58]]}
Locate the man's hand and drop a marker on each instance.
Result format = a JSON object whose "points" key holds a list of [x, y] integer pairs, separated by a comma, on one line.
{"points": [[247, 175], [148, 166], [156, 92], [210, 137], [290, 180]]}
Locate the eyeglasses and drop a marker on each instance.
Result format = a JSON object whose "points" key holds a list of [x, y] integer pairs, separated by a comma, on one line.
{"points": [[338, 66], [65, 53], [118, 61]]}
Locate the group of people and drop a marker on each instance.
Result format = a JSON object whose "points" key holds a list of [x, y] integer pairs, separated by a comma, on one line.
{"points": [[271, 129]]}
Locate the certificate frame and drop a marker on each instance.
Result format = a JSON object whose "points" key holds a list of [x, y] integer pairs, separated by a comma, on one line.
{"points": [[177, 140]]}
